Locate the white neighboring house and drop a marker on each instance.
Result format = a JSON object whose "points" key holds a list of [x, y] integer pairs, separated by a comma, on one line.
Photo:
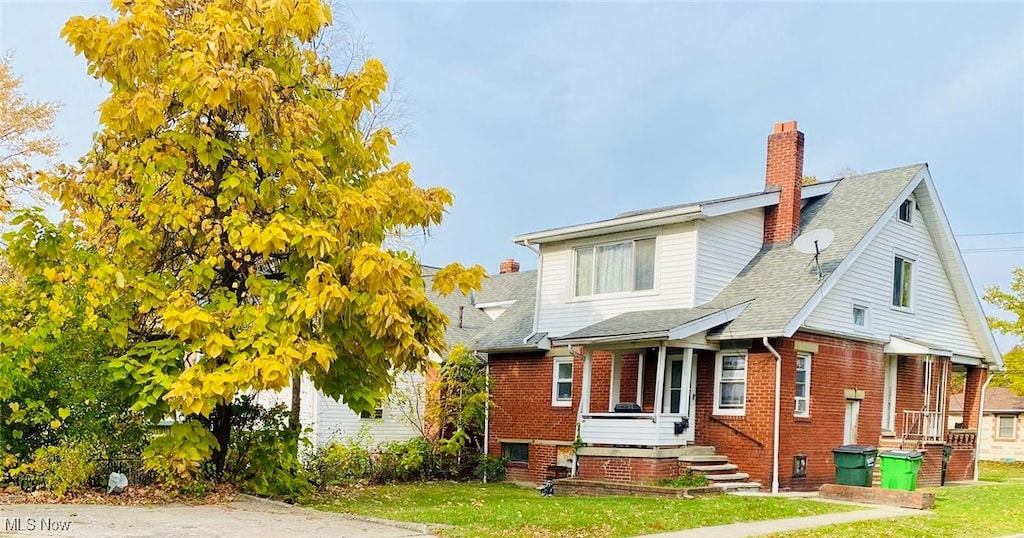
{"points": [[401, 416]]}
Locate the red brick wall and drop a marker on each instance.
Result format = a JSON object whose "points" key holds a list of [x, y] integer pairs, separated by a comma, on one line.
{"points": [[961, 465], [839, 364], [622, 469], [784, 168], [628, 370]]}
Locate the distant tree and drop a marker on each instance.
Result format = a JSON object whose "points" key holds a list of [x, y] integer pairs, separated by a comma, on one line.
{"points": [[23, 135], [809, 180], [1011, 301]]}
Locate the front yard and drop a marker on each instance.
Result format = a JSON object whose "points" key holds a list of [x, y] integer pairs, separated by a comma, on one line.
{"points": [[508, 510], [968, 511]]}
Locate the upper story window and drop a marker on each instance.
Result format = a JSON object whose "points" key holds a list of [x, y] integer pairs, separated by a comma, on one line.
{"points": [[902, 273], [861, 317], [906, 213], [615, 267]]}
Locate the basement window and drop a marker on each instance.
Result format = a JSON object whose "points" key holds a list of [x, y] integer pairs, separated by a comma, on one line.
{"points": [[516, 452], [800, 466]]}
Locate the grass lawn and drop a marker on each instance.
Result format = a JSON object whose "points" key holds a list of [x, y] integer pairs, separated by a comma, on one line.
{"points": [[974, 511], [997, 471], [508, 510]]}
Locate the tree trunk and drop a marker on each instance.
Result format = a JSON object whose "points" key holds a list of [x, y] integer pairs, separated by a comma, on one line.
{"points": [[294, 420], [222, 432]]}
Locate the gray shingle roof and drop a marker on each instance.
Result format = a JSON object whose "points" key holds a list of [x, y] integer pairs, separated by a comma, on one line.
{"points": [[507, 333], [642, 322], [781, 280]]}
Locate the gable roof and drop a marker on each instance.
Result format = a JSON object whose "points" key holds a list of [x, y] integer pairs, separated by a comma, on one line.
{"points": [[518, 287], [996, 399], [513, 329], [782, 281]]}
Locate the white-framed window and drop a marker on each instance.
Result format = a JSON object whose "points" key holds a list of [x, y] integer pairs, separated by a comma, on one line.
{"points": [[730, 383], [1005, 426], [623, 266], [561, 382], [902, 282], [906, 213], [861, 317], [802, 404]]}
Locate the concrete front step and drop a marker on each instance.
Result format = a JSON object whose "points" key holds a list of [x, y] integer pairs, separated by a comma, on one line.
{"points": [[705, 459], [724, 467], [697, 450], [733, 487], [720, 478]]}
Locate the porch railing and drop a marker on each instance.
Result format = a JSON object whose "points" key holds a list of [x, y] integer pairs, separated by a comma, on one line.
{"points": [[632, 429], [923, 425], [962, 438]]}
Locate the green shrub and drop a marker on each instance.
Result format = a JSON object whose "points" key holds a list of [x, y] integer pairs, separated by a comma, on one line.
{"points": [[689, 480], [264, 454], [176, 457], [337, 463], [62, 469], [490, 468]]}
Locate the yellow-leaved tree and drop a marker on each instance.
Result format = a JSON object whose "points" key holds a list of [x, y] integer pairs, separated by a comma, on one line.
{"points": [[24, 125], [1011, 301], [241, 213]]}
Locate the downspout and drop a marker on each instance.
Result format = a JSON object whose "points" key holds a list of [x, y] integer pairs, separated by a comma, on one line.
{"points": [[981, 424], [775, 435], [579, 416], [540, 276], [487, 410]]}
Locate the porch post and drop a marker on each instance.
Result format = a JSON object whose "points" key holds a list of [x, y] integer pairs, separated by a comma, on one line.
{"points": [[585, 392], [640, 377], [616, 380], [659, 387], [685, 396]]}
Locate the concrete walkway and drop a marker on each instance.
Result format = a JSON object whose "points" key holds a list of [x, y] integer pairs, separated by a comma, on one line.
{"points": [[245, 517], [760, 528]]}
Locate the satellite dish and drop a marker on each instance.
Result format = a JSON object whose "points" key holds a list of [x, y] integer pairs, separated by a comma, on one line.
{"points": [[814, 242]]}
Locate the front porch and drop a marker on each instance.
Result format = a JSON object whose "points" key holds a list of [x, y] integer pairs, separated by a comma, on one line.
{"points": [[649, 400]]}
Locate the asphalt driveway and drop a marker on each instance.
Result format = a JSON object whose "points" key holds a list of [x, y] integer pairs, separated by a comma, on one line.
{"points": [[244, 516]]}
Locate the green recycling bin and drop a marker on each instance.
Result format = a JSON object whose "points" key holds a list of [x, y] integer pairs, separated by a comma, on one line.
{"points": [[899, 469], [854, 464]]}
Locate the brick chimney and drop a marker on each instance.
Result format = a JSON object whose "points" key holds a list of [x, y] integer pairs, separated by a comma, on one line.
{"points": [[785, 170], [508, 266]]}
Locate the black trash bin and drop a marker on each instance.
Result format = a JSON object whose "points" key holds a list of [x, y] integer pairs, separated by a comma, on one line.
{"points": [[947, 453], [855, 464]]}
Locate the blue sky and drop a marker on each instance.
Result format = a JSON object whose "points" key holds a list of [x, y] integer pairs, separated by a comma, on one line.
{"points": [[539, 115]]}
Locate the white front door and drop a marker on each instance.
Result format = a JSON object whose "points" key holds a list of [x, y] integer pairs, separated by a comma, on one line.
{"points": [[889, 394], [852, 416]]}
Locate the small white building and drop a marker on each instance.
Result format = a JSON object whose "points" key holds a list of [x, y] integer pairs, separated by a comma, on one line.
{"points": [[1002, 434]]}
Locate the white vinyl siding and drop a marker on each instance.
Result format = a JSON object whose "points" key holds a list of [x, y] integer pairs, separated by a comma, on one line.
{"points": [[336, 421], [937, 318], [560, 312], [726, 244]]}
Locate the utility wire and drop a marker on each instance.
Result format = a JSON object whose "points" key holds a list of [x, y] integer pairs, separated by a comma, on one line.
{"points": [[989, 233]]}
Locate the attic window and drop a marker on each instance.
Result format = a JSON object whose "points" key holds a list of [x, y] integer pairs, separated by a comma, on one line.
{"points": [[907, 211]]}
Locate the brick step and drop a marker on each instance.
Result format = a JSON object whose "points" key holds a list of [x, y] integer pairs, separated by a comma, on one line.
{"points": [[709, 469], [720, 478], [707, 459], [739, 487]]}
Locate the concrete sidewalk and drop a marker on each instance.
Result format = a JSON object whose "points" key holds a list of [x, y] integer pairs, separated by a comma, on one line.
{"points": [[759, 528]]}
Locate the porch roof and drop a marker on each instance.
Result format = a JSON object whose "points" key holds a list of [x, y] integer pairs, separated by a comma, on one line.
{"points": [[676, 323], [902, 345]]}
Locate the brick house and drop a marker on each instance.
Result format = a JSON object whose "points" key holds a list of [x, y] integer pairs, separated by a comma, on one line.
{"points": [[698, 336]]}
